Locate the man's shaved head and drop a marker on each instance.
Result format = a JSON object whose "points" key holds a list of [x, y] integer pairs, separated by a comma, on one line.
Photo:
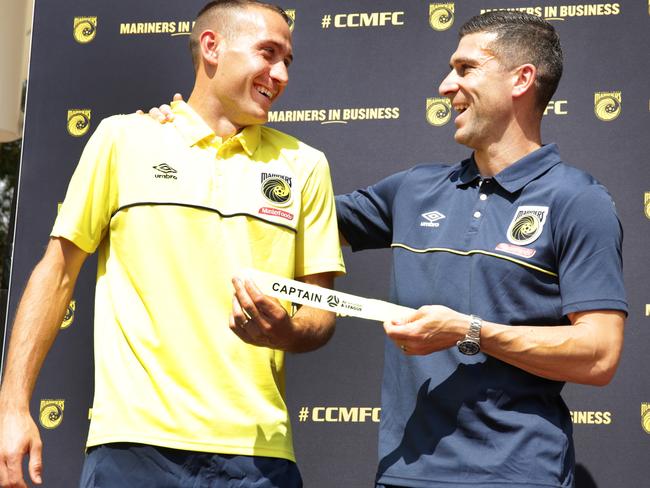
{"points": [[219, 16]]}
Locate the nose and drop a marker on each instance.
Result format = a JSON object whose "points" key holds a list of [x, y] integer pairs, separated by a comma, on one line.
{"points": [[280, 73], [449, 85]]}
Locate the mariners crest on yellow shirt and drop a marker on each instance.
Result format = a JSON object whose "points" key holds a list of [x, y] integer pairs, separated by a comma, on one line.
{"points": [[441, 16], [646, 204], [438, 111], [276, 189], [78, 121], [85, 29], [51, 413]]}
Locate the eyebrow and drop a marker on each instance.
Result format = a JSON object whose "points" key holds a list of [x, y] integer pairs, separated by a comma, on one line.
{"points": [[457, 61]]}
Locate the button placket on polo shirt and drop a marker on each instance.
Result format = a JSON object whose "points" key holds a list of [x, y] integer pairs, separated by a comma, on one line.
{"points": [[480, 206]]}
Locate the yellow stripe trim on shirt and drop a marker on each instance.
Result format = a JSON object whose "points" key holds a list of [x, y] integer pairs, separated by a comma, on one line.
{"points": [[475, 251]]}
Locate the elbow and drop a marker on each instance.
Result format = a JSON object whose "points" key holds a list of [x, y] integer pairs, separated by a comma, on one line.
{"points": [[603, 372]]}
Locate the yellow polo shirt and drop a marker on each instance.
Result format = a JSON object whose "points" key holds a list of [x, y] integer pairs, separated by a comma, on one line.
{"points": [[175, 212]]}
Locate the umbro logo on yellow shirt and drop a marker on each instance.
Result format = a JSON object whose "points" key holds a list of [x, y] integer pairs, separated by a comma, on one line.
{"points": [[165, 171]]}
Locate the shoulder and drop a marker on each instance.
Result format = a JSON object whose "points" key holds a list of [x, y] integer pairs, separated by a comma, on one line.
{"points": [[571, 184], [581, 202], [129, 125], [433, 170], [289, 146], [425, 175]]}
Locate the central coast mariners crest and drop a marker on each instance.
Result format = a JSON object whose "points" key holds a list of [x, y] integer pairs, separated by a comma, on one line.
{"points": [[291, 13], [276, 189], [645, 417], [438, 111], [69, 315], [527, 225], [441, 16], [607, 105], [51, 413], [85, 29]]}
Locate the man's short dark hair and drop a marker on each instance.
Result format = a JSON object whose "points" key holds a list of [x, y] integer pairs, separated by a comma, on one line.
{"points": [[523, 38], [215, 15]]}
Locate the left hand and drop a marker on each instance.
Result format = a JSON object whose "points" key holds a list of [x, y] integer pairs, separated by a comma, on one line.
{"points": [[258, 319], [164, 113], [431, 328]]}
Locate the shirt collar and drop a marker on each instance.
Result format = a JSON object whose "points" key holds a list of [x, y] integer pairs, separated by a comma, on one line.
{"points": [[467, 173], [517, 175], [194, 129], [528, 168]]}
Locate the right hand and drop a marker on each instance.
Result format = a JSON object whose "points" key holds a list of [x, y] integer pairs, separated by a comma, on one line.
{"points": [[19, 437], [163, 114]]}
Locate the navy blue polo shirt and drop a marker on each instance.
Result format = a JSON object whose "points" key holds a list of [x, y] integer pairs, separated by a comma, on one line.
{"points": [[528, 246]]}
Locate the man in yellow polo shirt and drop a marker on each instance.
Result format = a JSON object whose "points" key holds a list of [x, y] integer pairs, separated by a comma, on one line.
{"points": [[175, 211]]}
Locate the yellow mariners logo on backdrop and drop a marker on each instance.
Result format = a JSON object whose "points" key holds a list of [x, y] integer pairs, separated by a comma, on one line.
{"points": [[69, 315], [276, 190], [85, 29], [78, 122], [441, 16], [51, 413], [291, 13], [607, 105], [438, 111], [645, 417], [646, 204]]}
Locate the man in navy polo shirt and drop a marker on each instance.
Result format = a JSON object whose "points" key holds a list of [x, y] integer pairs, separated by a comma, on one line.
{"points": [[520, 255]]}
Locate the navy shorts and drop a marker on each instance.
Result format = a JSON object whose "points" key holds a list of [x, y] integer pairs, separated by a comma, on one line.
{"points": [[122, 465]]}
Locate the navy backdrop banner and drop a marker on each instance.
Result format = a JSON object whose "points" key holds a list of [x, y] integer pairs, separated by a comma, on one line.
{"points": [[363, 89]]}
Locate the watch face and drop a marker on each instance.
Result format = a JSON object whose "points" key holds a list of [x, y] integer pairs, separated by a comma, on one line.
{"points": [[468, 347]]}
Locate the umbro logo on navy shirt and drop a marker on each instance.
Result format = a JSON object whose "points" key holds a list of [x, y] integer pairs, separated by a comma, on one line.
{"points": [[431, 219], [165, 171]]}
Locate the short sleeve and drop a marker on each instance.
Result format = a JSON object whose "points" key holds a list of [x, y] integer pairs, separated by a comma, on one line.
{"points": [[317, 243], [366, 215], [91, 197], [589, 253]]}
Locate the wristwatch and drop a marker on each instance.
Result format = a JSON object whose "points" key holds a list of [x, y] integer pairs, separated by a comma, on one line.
{"points": [[471, 344]]}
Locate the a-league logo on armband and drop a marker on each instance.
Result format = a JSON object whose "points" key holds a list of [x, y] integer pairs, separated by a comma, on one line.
{"points": [[441, 16], [646, 204], [51, 413], [69, 315], [78, 122], [291, 13], [645, 417], [438, 111], [607, 105], [85, 29]]}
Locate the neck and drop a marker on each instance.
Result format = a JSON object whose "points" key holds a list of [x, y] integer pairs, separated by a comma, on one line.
{"points": [[517, 141], [210, 111]]}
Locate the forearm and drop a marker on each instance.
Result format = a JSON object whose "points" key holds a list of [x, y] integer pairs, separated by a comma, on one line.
{"points": [[38, 319], [585, 352], [313, 328]]}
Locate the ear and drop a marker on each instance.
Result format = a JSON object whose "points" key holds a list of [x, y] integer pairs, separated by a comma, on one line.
{"points": [[210, 42], [523, 79]]}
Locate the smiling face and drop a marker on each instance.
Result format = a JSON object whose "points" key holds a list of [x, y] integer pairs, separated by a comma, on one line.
{"points": [[480, 90], [252, 66]]}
